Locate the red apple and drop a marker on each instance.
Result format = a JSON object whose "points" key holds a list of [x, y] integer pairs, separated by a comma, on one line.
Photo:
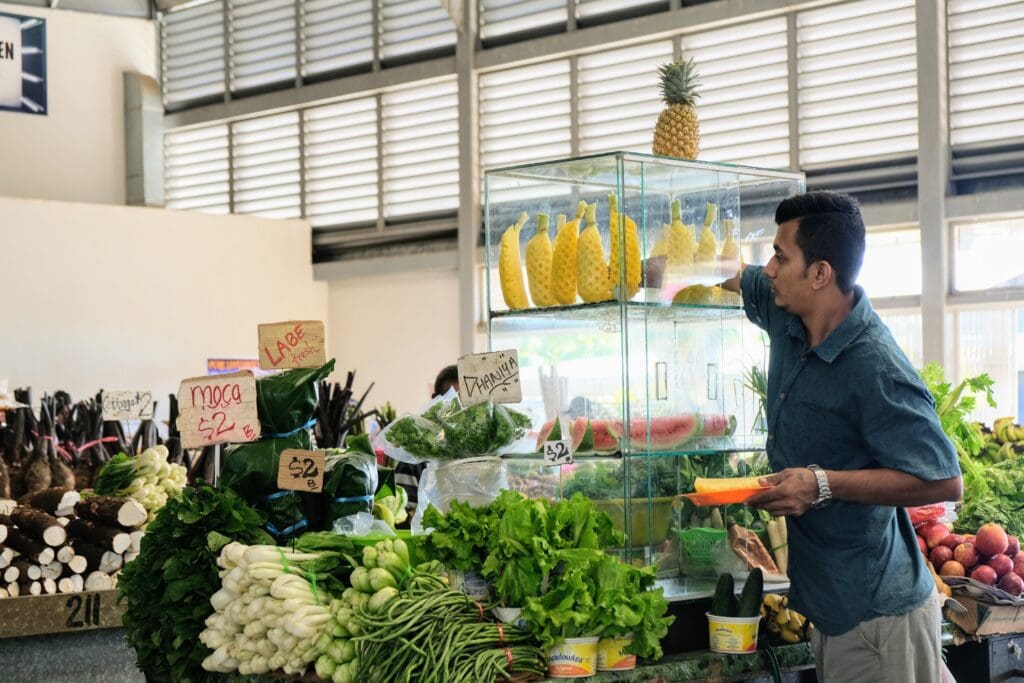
{"points": [[952, 568], [1018, 565], [991, 539], [921, 544], [940, 555], [1013, 547], [966, 555], [1001, 563], [1012, 584], [933, 533], [984, 574], [953, 540]]}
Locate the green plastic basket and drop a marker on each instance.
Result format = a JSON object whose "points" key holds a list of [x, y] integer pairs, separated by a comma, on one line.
{"points": [[697, 544]]}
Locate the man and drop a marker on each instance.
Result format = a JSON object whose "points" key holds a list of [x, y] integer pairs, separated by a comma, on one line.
{"points": [[853, 436]]}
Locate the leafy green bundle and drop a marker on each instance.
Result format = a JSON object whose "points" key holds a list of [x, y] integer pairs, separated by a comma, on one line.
{"points": [[446, 430], [168, 586]]}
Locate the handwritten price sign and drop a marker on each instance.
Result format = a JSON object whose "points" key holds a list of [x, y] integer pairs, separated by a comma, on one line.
{"points": [[218, 409], [557, 453], [301, 470], [292, 344], [493, 375], [127, 405]]}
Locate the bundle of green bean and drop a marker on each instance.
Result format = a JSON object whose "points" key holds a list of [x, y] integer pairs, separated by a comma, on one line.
{"points": [[436, 634]]}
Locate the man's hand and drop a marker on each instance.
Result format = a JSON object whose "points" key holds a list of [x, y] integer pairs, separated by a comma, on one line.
{"points": [[733, 283], [791, 494]]}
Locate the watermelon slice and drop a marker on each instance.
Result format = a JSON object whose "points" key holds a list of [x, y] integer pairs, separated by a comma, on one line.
{"points": [[717, 425], [604, 440], [582, 434], [667, 432]]}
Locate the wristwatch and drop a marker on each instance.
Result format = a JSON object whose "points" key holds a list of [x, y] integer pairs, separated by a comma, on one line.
{"points": [[824, 491]]}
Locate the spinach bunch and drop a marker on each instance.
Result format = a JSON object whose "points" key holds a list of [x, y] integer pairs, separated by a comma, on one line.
{"points": [[168, 586]]}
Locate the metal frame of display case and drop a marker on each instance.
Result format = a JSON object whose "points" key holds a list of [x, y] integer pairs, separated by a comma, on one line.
{"points": [[645, 186]]}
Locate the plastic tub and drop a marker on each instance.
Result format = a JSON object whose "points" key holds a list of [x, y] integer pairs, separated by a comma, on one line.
{"points": [[575, 658], [733, 635], [611, 654], [656, 511]]}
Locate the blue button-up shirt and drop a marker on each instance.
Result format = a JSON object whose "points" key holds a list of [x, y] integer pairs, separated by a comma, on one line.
{"points": [[853, 402]]}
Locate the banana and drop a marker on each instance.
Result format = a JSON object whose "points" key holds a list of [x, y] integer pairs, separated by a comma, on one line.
{"points": [[789, 636], [783, 617], [773, 601], [1001, 426]]}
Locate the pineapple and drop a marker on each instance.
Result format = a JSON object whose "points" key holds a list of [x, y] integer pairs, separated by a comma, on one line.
{"points": [[730, 249], [591, 266], [681, 244], [660, 247], [510, 269], [563, 260], [538, 264], [678, 131], [707, 250], [631, 241]]}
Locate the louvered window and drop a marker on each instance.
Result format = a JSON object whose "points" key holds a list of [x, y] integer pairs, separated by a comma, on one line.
{"points": [[410, 27], [192, 53], [509, 17], [197, 169], [265, 165], [986, 71], [744, 93], [263, 42], [341, 163], [987, 255], [618, 97], [990, 341], [525, 114], [858, 82], [906, 330], [592, 9], [336, 35], [420, 134]]}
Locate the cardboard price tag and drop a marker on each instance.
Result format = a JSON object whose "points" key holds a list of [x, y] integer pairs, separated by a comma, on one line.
{"points": [[292, 344], [493, 375], [127, 405], [218, 409], [557, 453], [61, 612], [301, 470]]}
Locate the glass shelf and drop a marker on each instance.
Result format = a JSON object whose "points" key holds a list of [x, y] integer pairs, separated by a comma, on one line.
{"points": [[712, 446], [649, 309], [688, 588]]}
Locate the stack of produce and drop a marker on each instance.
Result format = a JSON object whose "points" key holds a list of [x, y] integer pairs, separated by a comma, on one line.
{"points": [[54, 541], [784, 621], [1003, 441], [550, 560], [168, 587], [989, 556], [660, 433], [148, 478]]}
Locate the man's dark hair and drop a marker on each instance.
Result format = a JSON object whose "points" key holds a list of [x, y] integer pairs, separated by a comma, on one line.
{"points": [[830, 229], [448, 377]]}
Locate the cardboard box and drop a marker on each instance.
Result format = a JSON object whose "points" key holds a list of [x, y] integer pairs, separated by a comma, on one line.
{"points": [[60, 613], [984, 619]]}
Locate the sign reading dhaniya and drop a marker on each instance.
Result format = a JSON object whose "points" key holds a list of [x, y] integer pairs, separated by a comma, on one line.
{"points": [[22, 64], [493, 375]]}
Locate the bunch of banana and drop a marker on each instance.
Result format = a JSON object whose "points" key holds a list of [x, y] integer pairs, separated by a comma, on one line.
{"points": [[788, 624], [1006, 431]]}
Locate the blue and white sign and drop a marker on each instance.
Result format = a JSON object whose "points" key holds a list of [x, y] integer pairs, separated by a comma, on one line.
{"points": [[22, 64]]}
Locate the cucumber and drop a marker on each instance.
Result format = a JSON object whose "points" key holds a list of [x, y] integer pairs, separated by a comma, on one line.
{"points": [[750, 597], [724, 602]]}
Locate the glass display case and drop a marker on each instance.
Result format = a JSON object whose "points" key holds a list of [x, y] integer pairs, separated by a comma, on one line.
{"points": [[625, 342]]}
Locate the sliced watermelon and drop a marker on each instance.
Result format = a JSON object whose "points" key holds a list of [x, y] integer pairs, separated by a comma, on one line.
{"points": [[549, 431], [604, 440], [667, 432], [582, 434], [714, 424]]}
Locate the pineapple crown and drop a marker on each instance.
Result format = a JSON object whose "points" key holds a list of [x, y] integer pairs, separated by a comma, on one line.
{"points": [[679, 82]]}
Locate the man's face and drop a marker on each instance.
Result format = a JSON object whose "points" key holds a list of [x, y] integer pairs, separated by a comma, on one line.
{"points": [[787, 270]]}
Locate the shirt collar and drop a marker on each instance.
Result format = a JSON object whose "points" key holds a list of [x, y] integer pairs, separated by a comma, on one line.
{"points": [[841, 337]]}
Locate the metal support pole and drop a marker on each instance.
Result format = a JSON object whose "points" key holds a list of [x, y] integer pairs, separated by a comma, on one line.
{"points": [[469, 177]]}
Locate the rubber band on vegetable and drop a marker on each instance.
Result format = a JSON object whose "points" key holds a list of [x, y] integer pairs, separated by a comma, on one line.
{"points": [[501, 635], [284, 560], [308, 425], [508, 653], [481, 608], [279, 494], [353, 499]]}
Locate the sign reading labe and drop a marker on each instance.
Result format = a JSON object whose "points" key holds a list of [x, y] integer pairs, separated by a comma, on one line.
{"points": [[292, 344], [127, 405], [218, 409], [493, 375], [300, 470]]}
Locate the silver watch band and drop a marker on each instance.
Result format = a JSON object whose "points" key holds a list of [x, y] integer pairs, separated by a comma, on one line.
{"points": [[824, 490]]}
